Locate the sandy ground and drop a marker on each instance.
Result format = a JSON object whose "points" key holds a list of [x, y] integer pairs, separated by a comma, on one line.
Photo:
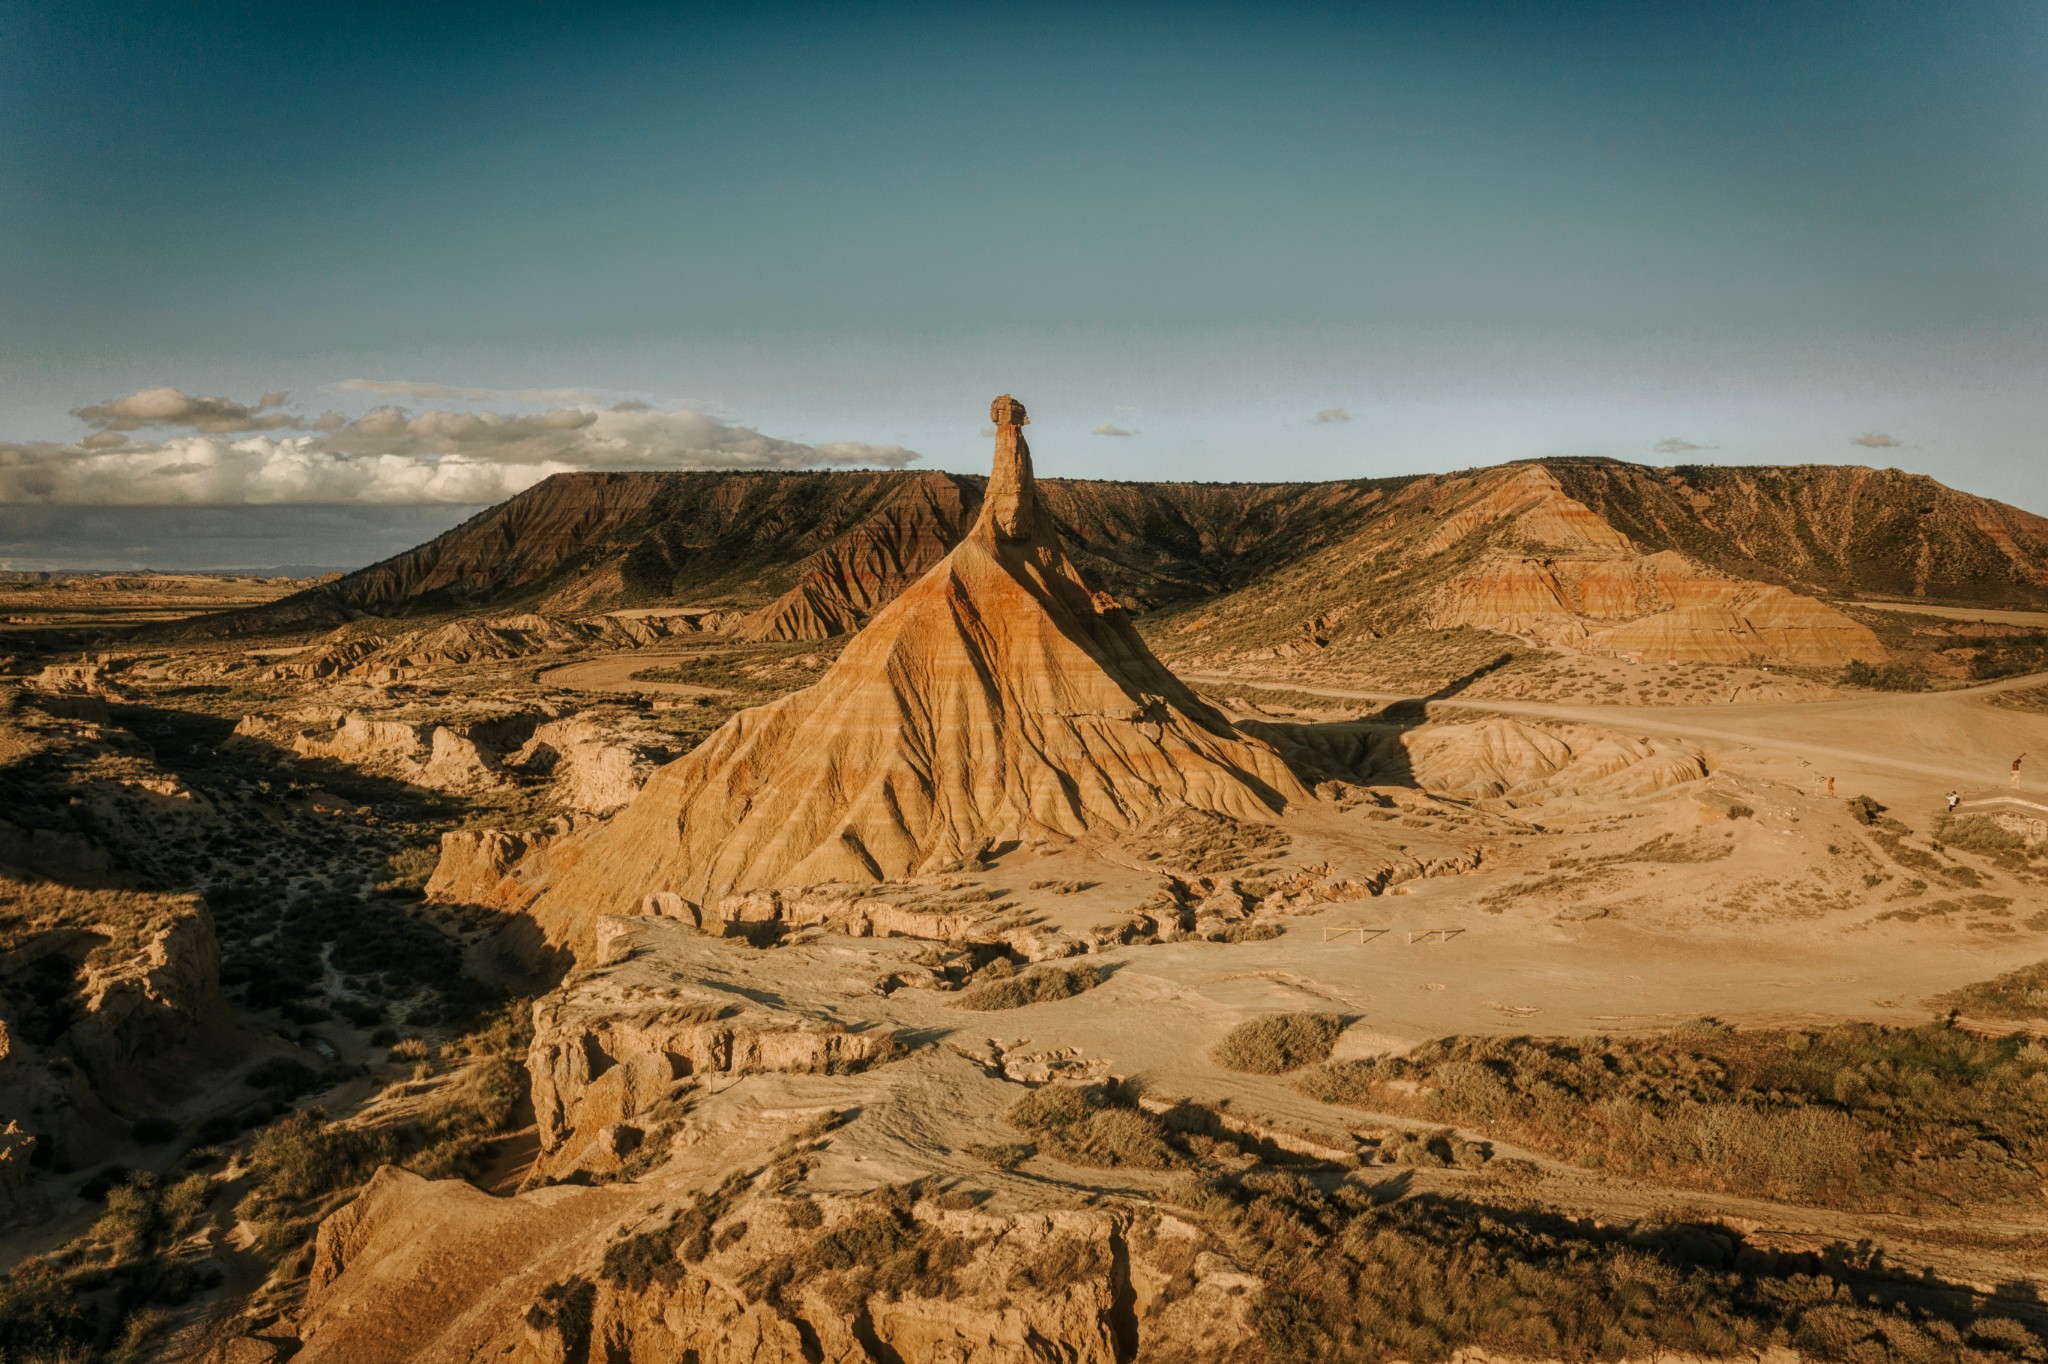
{"points": [[1904, 748], [1986, 615], [614, 673]]}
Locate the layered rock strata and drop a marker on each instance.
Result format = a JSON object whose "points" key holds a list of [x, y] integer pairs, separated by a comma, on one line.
{"points": [[998, 699]]}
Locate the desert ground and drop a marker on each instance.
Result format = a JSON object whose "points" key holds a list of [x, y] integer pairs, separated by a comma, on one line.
{"points": [[638, 987]]}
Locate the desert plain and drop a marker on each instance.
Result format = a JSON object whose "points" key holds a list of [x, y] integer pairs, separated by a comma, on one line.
{"points": [[1562, 910]]}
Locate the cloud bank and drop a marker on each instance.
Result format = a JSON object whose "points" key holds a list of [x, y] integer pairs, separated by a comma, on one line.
{"points": [[1876, 440], [210, 451], [1675, 445], [1107, 429], [1331, 416]]}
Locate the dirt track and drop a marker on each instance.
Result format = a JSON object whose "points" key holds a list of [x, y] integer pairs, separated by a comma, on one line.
{"points": [[1897, 745], [614, 673]]}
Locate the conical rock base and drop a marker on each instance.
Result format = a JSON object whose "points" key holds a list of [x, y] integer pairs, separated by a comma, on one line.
{"points": [[998, 698]]}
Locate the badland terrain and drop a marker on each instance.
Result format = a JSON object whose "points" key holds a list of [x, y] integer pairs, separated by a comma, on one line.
{"points": [[1508, 914]]}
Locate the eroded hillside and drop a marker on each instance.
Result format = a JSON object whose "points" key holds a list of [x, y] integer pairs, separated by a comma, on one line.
{"points": [[633, 982]]}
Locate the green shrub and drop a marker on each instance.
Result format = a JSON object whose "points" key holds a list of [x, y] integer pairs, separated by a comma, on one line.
{"points": [[1277, 1043], [1864, 810], [1032, 987]]}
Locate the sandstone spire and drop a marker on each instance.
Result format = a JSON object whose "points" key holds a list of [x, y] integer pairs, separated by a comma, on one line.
{"points": [[998, 698], [1010, 511]]}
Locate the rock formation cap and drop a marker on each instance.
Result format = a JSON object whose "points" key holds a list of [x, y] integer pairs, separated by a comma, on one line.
{"points": [[1011, 509]]}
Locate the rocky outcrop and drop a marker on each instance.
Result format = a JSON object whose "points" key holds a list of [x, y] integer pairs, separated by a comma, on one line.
{"points": [[1511, 762], [844, 583], [998, 698], [53, 853], [415, 653], [108, 1001], [88, 677], [474, 863], [1527, 764], [1510, 552], [430, 755], [1838, 529], [1654, 608], [139, 1006], [417, 1269], [607, 1054], [1591, 589], [594, 766]]}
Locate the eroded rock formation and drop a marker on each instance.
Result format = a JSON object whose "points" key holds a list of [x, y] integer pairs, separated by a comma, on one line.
{"points": [[999, 698]]}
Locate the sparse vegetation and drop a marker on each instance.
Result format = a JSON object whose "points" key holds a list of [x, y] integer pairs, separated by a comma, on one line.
{"points": [[565, 1308], [1030, 987], [1096, 1124], [2005, 655], [1979, 834], [1277, 1043], [306, 1157], [1199, 843], [1004, 1155], [1885, 676], [1350, 1276], [1857, 1116], [2020, 995]]}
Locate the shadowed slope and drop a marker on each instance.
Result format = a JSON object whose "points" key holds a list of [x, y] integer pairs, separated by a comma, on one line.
{"points": [[998, 697]]}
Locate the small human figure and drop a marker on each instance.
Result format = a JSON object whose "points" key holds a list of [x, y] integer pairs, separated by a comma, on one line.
{"points": [[1831, 786], [1953, 801], [2016, 771]]}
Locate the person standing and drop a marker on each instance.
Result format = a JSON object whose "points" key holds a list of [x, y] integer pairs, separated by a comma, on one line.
{"points": [[1954, 799], [2016, 771]]}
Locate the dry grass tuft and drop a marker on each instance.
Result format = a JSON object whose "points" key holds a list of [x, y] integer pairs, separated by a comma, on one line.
{"points": [[1277, 1043], [1032, 987], [2020, 995], [1099, 1125]]}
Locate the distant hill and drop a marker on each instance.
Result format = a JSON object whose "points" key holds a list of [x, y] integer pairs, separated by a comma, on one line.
{"points": [[1690, 563]]}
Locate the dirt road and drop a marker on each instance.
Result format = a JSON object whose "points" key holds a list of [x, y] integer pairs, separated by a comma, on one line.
{"points": [[614, 673], [1893, 744]]}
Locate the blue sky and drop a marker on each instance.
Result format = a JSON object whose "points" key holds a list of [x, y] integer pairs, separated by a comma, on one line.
{"points": [[1462, 233]]}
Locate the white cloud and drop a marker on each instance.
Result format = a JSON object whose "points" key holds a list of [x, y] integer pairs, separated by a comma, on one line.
{"points": [[1674, 445], [1108, 430], [202, 471], [388, 456], [174, 407], [1876, 440], [1330, 416]]}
